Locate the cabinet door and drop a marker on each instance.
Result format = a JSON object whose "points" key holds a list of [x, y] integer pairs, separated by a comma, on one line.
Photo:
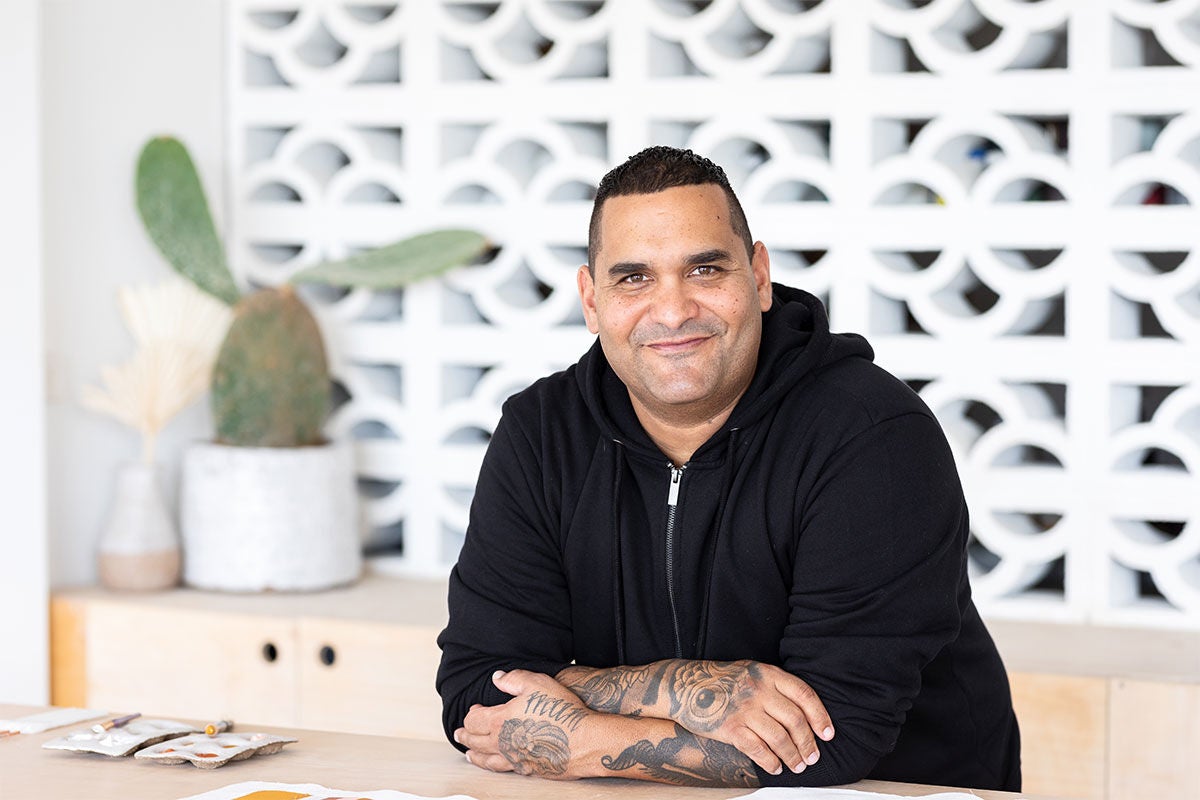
{"points": [[1154, 739], [369, 677], [182, 663], [1064, 725]]}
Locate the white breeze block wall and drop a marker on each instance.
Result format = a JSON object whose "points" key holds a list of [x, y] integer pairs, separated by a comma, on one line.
{"points": [[999, 194]]}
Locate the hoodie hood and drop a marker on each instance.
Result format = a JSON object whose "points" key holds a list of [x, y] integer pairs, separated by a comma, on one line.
{"points": [[796, 342]]}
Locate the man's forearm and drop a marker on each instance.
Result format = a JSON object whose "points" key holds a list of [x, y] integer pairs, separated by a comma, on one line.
{"points": [[558, 743], [696, 694], [766, 713], [545, 730], [666, 752]]}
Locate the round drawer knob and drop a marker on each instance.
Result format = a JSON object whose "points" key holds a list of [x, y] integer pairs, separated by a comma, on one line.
{"points": [[327, 655], [270, 652]]}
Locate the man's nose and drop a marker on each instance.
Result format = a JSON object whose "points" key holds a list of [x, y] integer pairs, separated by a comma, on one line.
{"points": [[673, 303]]}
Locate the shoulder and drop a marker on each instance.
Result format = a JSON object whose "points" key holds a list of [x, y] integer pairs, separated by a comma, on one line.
{"points": [[855, 407], [867, 415], [863, 393], [551, 409], [555, 394]]}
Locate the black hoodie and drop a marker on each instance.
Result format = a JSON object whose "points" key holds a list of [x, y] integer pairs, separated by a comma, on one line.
{"points": [[822, 529]]}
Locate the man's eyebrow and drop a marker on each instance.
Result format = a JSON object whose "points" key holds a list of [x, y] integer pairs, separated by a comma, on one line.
{"points": [[709, 257], [623, 268]]}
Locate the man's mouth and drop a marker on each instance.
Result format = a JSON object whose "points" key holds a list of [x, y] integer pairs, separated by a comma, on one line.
{"points": [[676, 346]]}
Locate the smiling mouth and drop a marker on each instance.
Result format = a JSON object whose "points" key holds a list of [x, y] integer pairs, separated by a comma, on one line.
{"points": [[678, 346]]}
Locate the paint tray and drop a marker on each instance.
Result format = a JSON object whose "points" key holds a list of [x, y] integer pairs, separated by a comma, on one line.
{"points": [[121, 741], [210, 752]]}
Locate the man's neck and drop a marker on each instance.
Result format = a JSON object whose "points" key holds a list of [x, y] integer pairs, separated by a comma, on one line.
{"points": [[680, 438]]}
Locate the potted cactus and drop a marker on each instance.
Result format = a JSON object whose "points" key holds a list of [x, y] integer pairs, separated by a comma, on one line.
{"points": [[270, 503]]}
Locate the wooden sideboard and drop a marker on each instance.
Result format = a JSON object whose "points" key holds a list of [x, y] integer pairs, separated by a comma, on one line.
{"points": [[358, 660], [1106, 713]]}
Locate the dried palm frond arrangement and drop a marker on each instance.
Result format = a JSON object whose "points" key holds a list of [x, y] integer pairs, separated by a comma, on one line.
{"points": [[177, 330]]}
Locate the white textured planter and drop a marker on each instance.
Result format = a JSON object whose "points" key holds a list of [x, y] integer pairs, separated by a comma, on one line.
{"points": [[256, 518]]}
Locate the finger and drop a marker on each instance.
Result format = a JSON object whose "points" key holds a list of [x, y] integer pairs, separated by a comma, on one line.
{"points": [[518, 681], [481, 719], [490, 762], [802, 746], [484, 744], [753, 747], [800, 693], [783, 742]]}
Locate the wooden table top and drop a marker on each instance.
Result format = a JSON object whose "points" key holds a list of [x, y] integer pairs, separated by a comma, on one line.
{"points": [[336, 760]]}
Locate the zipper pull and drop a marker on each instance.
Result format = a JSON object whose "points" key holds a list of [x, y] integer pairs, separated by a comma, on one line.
{"points": [[673, 492]]}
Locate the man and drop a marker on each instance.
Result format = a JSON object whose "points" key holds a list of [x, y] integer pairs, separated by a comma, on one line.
{"points": [[723, 548]]}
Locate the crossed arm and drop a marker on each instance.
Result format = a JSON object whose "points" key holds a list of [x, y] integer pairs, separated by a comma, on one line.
{"points": [[698, 723]]}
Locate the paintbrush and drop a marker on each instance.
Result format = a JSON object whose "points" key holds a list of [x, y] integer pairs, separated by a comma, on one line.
{"points": [[116, 722], [213, 728]]}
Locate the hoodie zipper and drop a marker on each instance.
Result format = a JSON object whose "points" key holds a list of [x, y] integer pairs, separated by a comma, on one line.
{"points": [[672, 505]]}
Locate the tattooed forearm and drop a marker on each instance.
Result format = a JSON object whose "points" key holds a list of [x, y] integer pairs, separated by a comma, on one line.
{"points": [[555, 708], [607, 690], [534, 747], [699, 695], [686, 760]]}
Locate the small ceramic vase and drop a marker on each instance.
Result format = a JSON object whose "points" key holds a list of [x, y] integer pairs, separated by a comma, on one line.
{"points": [[139, 547]]}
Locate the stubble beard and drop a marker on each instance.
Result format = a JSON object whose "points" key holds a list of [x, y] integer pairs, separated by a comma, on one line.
{"points": [[687, 401]]}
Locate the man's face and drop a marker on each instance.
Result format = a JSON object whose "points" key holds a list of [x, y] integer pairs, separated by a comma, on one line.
{"points": [[677, 301]]}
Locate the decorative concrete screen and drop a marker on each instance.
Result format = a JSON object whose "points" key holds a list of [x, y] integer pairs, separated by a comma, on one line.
{"points": [[999, 194]]}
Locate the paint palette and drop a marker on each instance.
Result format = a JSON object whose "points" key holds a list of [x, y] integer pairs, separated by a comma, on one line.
{"points": [[274, 794], [268, 790], [210, 752], [120, 741]]}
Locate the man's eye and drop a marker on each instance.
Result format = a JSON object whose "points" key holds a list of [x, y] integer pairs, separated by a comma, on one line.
{"points": [[708, 269], [635, 277]]}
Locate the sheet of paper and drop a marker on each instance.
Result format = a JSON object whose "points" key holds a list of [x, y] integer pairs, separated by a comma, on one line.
{"points": [[780, 793], [263, 790], [260, 790], [54, 718]]}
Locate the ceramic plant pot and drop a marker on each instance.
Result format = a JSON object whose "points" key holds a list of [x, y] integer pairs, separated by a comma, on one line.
{"points": [[139, 546], [259, 518]]}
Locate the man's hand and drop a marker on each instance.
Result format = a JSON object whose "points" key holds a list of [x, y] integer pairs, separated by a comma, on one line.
{"points": [[530, 734], [765, 712]]}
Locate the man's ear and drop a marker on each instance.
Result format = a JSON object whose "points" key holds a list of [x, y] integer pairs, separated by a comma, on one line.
{"points": [[760, 265], [587, 297]]}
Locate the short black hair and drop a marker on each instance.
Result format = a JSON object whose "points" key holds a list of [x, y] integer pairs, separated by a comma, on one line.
{"points": [[657, 169]]}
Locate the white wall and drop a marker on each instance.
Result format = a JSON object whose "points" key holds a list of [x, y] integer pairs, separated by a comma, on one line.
{"points": [[442, 101], [862, 137], [24, 674], [114, 73]]}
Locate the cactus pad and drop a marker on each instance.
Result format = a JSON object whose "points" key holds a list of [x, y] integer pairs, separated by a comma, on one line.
{"points": [[270, 384]]}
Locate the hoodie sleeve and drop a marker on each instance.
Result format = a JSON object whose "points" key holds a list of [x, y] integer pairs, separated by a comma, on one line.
{"points": [[508, 601], [879, 587]]}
